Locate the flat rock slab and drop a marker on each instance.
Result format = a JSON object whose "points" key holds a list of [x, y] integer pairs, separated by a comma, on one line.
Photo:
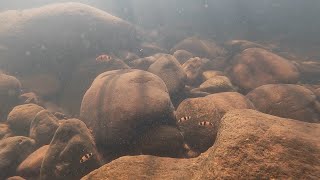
{"points": [[250, 145]]}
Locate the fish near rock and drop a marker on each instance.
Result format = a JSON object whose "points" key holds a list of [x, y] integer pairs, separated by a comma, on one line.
{"points": [[70, 143], [120, 100]]}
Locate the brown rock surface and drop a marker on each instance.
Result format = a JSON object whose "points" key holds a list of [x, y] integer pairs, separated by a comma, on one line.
{"points": [[30, 167], [4, 131], [15, 178], [237, 46], [70, 143], [194, 68], [198, 110], [43, 127], [42, 39], [228, 101], [10, 89], [209, 74], [199, 47], [216, 84], [165, 141], [13, 150], [182, 55], [125, 103], [250, 145], [286, 100], [310, 71], [170, 71], [210, 108], [20, 118], [142, 63], [255, 67]]}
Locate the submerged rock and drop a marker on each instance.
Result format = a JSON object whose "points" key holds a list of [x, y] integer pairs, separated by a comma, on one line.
{"points": [[206, 75], [199, 47], [183, 56], [10, 89], [122, 105], [210, 109], [310, 71], [194, 68], [189, 114], [15, 178], [30, 167], [170, 71], [43, 127], [5, 131], [165, 141], [237, 46], [286, 100], [71, 154], [249, 145], [143, 63], [255, 67], [149, 49], [20, 118], [216, 84], [13, 150]]}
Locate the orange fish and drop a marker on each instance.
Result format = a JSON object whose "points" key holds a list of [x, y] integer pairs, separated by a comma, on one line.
{"points": [[184, 119], [86, 157], [103, 57]]}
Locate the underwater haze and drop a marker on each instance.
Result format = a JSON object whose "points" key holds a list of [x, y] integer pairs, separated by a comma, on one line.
{"points": [[141, 89]]}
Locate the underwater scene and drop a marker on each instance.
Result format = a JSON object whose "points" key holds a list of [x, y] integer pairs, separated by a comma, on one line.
{"points": [[164, 90]]}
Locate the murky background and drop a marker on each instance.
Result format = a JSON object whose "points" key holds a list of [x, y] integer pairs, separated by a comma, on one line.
{"points": [[168, 89]]}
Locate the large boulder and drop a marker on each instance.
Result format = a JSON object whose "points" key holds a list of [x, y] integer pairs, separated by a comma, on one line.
{"points": [[200, 47], [216, 84], [71, 153], [30, 167], [42, 46], [310, 71], [182, 55], [255, 67], [194, 68], [5, 131], [13, 151], [165, 141], [20, 118], [210, 108], [227, 101], [43, 127], [170, 71], [237, 46], [250, 145], [143, 63], [286, 100], [10, 89], [121, 105], [189, 114]]}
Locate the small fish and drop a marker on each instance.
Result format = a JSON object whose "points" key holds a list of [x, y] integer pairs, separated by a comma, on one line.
{"points": [[86, 157], [205, 123], [184, 119], [103, 57]]}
